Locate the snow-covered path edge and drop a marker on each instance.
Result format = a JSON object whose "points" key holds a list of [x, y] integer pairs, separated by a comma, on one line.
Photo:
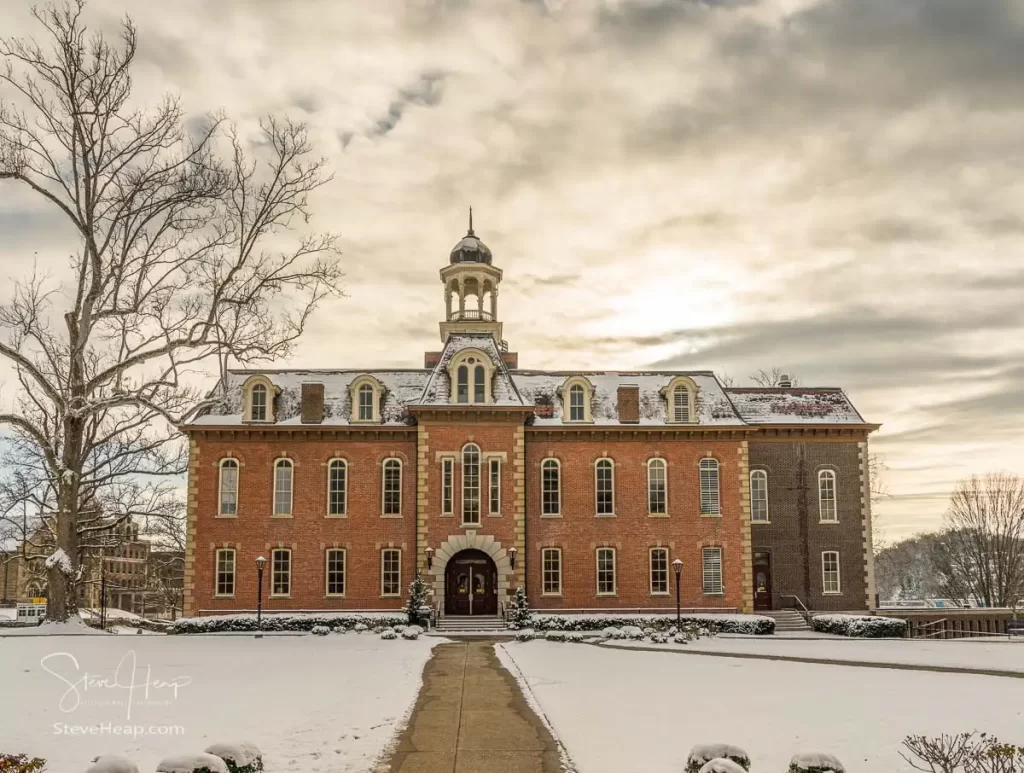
{"points": [[510, 665]]}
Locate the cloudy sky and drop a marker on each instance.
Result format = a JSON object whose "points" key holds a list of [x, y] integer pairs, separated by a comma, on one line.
{"points": [[835, 187]]}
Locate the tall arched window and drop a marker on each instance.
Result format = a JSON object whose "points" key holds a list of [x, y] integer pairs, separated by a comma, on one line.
{"points": [[283, 470], [576, 405], [657, 487], [709, 493], [337, 487], [604, 483], [471, 483], [479, 384], [681, 404], [258, 403], [463, 386], [228, 487], [366, 403], [827, 496], [391, 485], [759, 496], [550, 487]]}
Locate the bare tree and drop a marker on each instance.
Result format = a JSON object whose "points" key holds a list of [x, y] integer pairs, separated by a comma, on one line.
{"points": [[981, 554], [773, 378], [167, 562], [878, 491], [181, 263], [727, 381]]}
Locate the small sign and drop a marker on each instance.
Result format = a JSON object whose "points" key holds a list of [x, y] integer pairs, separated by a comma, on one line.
{"points": [[38, 600]]}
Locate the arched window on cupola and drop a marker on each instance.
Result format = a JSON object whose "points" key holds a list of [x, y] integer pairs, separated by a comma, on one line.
{"points": [[472, 373]]}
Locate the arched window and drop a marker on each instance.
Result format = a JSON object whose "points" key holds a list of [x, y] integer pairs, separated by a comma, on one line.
{"points": [[604, 483], [366, 403], [550, 487], [391, 485], [709, 494], [680, 396], [471, 483], [681, 404], [479, 384], [657, 487], [576, 395], [228, 487], [258, 403], [827, 496], [759, 496], [283, 469], [337, 487], [463, 389]]}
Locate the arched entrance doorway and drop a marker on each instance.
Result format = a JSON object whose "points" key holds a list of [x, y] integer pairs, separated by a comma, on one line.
{"points": [[471, 584]]}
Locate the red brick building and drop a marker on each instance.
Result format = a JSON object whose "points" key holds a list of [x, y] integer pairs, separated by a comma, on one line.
{"points": [[584, 487]]}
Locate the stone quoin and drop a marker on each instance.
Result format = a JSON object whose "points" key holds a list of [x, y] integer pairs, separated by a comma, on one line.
{"points": [[581, 486]]}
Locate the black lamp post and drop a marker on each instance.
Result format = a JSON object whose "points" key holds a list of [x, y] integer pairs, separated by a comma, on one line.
{"points": [[103, 600], [430, 557], [677, 567], [512, 556], [260, 563]]}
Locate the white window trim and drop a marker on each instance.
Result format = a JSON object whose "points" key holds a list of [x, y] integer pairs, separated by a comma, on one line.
{"points": [[291, 491], [767, 507], [669, 393], [344, 503], [448, 467], [216, 573], [650, 572], [664, 467], [721, 570], [398, 594], [479, 486], [482, 358], [822, 474], [839, 574], [558, 466], [700, 487], [353, 390], [401, 483], [597, 465], [273, 553], [490, 486], [543, 572], [588, 396], [597, 572], [220, 486], [272, 392], [327, 573]]}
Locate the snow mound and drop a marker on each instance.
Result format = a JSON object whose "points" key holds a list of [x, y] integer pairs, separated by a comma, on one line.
{"points": [[703, 754], [240, 754], [71, 627], [189, 763], [722, 765], [411, 632], [389, 634], [815, 762], [112, 764]]}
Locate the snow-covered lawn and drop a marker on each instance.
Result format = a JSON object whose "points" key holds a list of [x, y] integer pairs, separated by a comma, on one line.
{"points": [[618, 710], [311, 703], [992, 654]]}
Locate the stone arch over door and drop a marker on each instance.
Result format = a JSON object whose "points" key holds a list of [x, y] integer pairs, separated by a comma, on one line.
{"points": [[471, 541]]}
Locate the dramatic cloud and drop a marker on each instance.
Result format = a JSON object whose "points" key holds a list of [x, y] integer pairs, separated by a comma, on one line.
{"points": [[830, 186]]}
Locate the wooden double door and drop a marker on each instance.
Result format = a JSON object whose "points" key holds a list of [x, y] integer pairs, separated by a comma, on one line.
{"points": [[471, 584]]}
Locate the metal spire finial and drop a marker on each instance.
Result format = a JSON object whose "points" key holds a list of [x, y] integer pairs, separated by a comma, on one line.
{"points": [[470, 233]]}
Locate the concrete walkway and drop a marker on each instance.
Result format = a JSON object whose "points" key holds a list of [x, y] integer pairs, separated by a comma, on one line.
{"points": [[472, 718]]}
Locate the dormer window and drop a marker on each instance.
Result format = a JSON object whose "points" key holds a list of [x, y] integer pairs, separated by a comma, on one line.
{"points": [[577, 393], [681, 395], [258, 399], [471, 372], [366, 392]]}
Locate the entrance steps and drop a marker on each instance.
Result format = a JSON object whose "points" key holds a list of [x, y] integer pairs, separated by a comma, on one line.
{"points": [[461, 623], [787, 620]]}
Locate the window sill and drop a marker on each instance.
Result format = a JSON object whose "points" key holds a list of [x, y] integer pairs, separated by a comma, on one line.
{"points": [[607, 595], [494, 515], [710, 515], [470, 525], [226, 517], [447, 515], [220, 596], [768, 523], [604, 515], [334, 595], [551, 595], [336, 516], [657, 515], [659, 593], [831, 593], [391, 595], [391, 515], [552, 515], [718, 593], [835, 520], [281, 517], [280, 595]]}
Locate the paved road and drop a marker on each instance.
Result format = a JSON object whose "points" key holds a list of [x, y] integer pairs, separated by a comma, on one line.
{"points": [[472, 718]]}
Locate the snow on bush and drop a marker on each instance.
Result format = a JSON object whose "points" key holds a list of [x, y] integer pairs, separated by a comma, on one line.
{"points": [[815, 763], [555, 636], [611, 632], [411, 632], [526, 634], [286, 622], [681, 638], [320, 630], [389, 634], [722, 765], [759, 625], [866, 626], [702, 754], [192, 763], [633, 632], [110, 764], [658, 638], [239, 757], [360, 628]]}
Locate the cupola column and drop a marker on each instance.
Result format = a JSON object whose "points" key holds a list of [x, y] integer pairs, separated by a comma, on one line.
{"points": [[494, 302]]}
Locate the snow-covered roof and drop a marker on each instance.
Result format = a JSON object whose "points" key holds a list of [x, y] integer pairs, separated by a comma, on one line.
{"points": [[437, 390], [794, 405]]}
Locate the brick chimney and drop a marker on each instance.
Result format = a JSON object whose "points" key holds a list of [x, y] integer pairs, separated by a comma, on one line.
{"points": [[629, 404], [312, 403]]}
